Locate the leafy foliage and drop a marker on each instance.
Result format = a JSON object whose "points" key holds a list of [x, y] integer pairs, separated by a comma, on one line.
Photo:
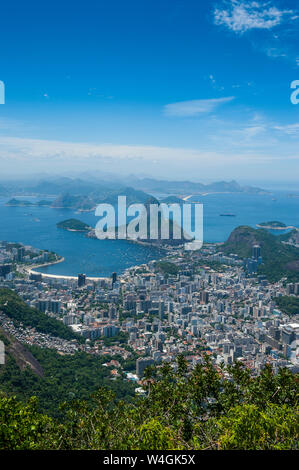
{"points": [[22, 427], [289, 305], [65, 378], [251, 428], [167, 268], [207, 408]]}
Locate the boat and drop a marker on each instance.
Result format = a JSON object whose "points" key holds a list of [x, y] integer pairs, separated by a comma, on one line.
{"points": [[227, 215]]}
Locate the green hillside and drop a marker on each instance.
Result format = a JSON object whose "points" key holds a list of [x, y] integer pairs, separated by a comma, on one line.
{"points": [[63, 379], [291, 237], [279, 260], [201, 409], [19, 312], [52, 377]]}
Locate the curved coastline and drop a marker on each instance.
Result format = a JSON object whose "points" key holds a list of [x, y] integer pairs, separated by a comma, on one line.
{"points": [[31, 270], [270, 227]]}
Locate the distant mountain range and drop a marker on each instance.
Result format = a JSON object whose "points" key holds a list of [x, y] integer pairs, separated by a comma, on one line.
{"points": [[188, 187], [89, 203], [68, 201], [84, 195], [24, 202], [103, 188]]}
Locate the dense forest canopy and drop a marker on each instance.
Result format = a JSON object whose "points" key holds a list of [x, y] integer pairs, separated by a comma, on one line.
{"points": [[206, 408]]}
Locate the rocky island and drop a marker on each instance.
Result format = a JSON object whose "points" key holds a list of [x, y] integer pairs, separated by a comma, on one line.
{"points": [[23, 202], [274, 225], [74, 225]]}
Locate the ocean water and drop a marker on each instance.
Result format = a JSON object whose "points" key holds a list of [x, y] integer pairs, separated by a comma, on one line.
{"points": [[36, 226]]}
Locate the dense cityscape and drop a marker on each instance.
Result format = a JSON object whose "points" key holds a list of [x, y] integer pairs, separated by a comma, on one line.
{"points": [[204, 303]]}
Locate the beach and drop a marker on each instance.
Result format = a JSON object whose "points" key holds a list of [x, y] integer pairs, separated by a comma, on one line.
{"points": [[31, 270]]}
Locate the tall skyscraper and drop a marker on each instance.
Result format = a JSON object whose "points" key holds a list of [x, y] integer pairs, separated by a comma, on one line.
{"points": [[204, 297], [256, 251], [81, 280], [21, 254], [5, 269]]}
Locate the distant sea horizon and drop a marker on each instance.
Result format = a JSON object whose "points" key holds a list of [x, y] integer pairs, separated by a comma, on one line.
{"points": [[36, 226]]}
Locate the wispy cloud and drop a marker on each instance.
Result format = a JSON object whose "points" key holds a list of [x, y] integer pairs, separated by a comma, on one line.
{"points": [[275, 52], [241, 147], [36, 149], [214, 83], [16, 151], [194, 107], [241, 16], [98, 94], [22, 157], [289, 129], [253, 131]]}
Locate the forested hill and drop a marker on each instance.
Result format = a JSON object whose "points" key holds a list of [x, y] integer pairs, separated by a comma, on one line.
{"points": [[206, 408], [290, 237], [20, 354], [19, 312], [52, 377], [279, 260]]}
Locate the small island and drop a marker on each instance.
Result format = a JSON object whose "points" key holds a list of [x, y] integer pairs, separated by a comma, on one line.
{"points": [[18, 202], [274, 225], [24, 203], [73, 225]]}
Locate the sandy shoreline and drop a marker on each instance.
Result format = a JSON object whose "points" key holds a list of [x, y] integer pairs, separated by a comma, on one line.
{"points": [[269, 227], [31, 270]]}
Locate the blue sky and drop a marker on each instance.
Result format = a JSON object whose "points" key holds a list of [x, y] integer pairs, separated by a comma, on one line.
{"points": [[179, 89]]}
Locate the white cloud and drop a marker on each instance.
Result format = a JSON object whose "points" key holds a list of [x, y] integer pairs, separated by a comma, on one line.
{"points": [[23, 157], [275, 52], [253, 131], [241, 16], [289, 129], [35, 154], [214, 83], [194, 107], [35, 149], [234, 149]]}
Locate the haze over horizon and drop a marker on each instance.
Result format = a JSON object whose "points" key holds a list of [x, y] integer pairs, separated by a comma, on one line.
{"points": [[204, 94]]}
